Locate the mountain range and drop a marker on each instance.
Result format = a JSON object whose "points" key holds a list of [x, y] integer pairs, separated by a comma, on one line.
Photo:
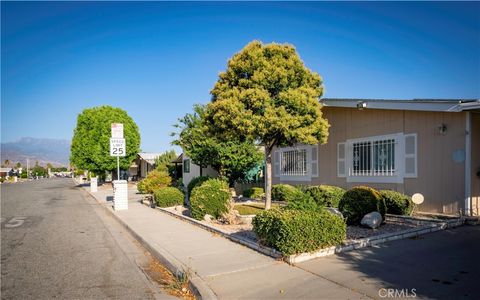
{"points": [[54, 151]]}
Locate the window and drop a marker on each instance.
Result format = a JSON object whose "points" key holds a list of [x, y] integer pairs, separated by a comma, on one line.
{"points": [[378, 159], [294, 163], [374, 158], [186, 166], [298, 163]]}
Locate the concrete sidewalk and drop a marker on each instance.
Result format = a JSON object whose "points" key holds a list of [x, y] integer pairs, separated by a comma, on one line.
{"points": [[217, 266]]}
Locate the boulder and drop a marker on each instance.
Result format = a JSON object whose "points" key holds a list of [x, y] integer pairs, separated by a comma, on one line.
{"points": [[372, 220], [334, 211], [207, 218]]}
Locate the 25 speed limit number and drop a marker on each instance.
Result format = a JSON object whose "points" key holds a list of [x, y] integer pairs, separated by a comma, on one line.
{"points": [[117, 147]]}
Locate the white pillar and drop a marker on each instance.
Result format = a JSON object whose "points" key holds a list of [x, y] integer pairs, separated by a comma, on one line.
{"points": [[93, 184], [120, 194], [468, 163]]}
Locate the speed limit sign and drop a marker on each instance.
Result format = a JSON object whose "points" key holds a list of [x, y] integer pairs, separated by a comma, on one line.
{"points": [[117, 147]]}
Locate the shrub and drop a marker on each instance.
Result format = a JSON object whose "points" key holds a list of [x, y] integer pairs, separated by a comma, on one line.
{"points": [[211, 197], [302, 201], [254, 192], [296, 231], [359, 201], [326, 195], [284, 192], [168, 196], [154, 181], [196, 182], [397, 203]]}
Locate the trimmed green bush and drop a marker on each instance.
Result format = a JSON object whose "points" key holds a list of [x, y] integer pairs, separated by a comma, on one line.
{"points": [[359, 201], [397, 203], [296, 231], [254, 193], [326, 195], [168, 196], [155, 180], [302, 201], [284, 192], [211, 197], [196, 182]]}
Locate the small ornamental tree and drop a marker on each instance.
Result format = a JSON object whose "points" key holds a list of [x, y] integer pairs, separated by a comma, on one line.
{"points": [[232, 158], [268, 95], [90, 148]]}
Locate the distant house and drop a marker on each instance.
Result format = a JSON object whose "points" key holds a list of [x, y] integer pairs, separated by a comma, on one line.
{"points": [[144, 163], [191, 170], [7, 172], [430, 147]]}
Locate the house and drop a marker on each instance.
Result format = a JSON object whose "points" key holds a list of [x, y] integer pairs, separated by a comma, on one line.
{"points": [[430, 147], [191, 170], [144, 163], [7, 172]]}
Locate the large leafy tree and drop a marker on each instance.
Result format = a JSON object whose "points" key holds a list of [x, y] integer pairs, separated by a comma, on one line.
{"points": [[90, 148], [267, 94], [232, 158]]}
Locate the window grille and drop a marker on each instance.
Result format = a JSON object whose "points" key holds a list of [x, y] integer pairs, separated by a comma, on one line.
{"points": [[374, 158], [294, 163]]}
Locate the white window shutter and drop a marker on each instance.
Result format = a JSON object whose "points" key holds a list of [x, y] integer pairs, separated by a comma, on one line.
{"points": [[341, 160], [276, 163], [410, 155], [314, 160]]}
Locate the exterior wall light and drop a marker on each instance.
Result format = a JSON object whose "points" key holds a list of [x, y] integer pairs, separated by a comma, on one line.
{"points": [[442, 129], [361, 105]]}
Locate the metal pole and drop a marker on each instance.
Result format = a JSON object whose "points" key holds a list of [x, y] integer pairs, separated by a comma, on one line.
{"points": [[118, 167]]}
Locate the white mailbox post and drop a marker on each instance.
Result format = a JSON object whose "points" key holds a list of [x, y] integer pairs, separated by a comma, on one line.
{"points": [[118, 148], [93, 184], [120, 194]]}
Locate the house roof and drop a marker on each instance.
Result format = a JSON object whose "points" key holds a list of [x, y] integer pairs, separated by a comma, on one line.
{"points": [[149, 156], [178, 160], [445, 105], [5, 170]]}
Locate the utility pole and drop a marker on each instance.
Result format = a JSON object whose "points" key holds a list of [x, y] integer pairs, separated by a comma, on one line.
{"points": [[27, 167]]}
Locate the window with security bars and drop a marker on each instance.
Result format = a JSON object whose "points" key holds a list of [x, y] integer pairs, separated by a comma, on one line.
{"points": [[294, 163], [374, 158]]}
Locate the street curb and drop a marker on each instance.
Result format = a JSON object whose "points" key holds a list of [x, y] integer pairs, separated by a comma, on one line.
{"points": [[196, 284]]}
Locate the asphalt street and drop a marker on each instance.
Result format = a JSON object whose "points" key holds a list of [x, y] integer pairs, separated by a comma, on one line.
{"points": [[57, 242]]}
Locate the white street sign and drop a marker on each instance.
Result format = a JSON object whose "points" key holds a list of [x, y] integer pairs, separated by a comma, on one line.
{"points": [[117, 130], [117, 147]]}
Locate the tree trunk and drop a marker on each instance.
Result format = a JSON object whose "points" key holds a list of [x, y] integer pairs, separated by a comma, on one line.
{"points": [[268, 179]]}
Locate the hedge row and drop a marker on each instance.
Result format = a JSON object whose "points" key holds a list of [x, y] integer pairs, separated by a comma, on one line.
{"points": [[254, 193], [296, 231]]}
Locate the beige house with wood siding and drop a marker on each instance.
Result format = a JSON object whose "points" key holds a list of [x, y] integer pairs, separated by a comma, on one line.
{"points": [[430, 147]]}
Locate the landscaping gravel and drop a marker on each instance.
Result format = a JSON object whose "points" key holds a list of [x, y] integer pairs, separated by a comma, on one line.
{"points": [[353, 232]]}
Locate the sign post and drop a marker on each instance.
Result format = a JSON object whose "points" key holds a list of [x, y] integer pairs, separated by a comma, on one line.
{"points": [[118, 148]]}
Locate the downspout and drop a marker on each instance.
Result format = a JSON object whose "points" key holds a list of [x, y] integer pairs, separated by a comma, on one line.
{"points": [[468, 163]]}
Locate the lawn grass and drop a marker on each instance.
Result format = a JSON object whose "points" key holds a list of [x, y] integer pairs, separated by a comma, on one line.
{"points": [[252, 208]]}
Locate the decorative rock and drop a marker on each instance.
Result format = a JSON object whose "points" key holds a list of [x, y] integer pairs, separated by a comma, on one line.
{"points": [[372, 220], [207, 218], [334, 211]]}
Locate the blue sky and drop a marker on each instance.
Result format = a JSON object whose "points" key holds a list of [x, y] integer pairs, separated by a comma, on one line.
{"points": [[156, 59]]}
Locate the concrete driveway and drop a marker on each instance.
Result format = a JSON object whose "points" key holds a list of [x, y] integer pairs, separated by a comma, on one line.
{"points": [[442, 265]]}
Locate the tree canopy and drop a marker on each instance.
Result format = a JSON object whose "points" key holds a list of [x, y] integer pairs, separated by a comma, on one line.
{"points": [[90, 148], [232, 158], [268, 95]]}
